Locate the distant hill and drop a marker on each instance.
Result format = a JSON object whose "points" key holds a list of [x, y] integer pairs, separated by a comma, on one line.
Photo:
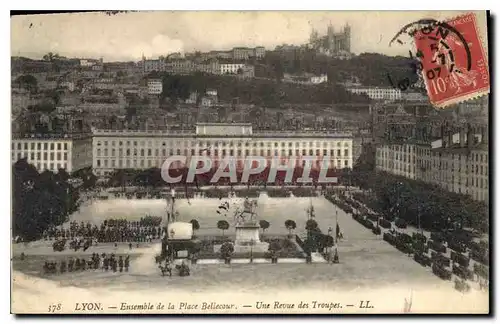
{"points": [[370, 69]]}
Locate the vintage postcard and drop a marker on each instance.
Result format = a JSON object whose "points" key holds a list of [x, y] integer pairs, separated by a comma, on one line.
{"points": [[250, 162]]}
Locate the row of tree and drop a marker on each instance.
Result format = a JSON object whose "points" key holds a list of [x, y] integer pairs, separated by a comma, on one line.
{"points": [[371, 69], [420, 203], [223, 225], [40, 200], [263, 92], [152, 177]]}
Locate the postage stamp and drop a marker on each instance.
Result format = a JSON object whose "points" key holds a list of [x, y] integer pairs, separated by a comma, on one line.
{"points": [[455, 66], [231, 163]]}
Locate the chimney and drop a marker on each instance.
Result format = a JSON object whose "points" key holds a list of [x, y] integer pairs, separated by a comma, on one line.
{"points": [[470, 136], [463, 137], [484, 134], [444, 139], [49, 124]]}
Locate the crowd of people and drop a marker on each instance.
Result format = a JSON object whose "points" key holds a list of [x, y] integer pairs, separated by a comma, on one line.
{"points": [[146, 229], [95, 262]]}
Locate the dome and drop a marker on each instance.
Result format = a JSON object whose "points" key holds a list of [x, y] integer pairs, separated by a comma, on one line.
{"points": [[180, 231]]}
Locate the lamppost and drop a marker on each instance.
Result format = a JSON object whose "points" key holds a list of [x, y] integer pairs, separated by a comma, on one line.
{"points": [[252, 241], [337, 225], [419, 220], [172, 197]]}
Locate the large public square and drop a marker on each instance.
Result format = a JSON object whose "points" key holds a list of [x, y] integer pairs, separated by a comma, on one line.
{"points": [[368, 265]]}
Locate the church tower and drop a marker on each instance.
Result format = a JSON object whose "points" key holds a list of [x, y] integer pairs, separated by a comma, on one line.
{"points": [[347, 35]]}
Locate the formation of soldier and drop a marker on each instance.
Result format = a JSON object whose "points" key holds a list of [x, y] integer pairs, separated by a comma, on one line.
{"points": [[111, 230], [95, 262]]}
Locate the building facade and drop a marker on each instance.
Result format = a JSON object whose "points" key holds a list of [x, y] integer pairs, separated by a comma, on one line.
{"points": [[52, 152], [153, 65], [155, 87], [114, 150], [457, 163], [230, 68], [376, 93], [333, 43], [260, 52], [244, 53]]}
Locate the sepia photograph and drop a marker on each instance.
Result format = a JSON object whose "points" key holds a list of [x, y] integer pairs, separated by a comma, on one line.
{"points": [[250, 162]]}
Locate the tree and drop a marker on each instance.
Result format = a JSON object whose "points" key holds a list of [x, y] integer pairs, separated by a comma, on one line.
{"points": [[40, 201], [274, 247], [90, 180], [264, 224], [62, 175], [122, 177], [49, 56], [290, 225], [131, 111], [195, 224], [226, 250], [311, 225], [46, 106], [27, 82], [328, 240], [223, 225]]}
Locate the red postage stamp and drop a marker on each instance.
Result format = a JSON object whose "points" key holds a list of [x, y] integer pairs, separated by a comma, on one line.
{"points": [[454, 63]]}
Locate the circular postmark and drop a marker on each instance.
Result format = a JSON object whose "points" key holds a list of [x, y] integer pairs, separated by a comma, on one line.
{"points": [[432, 46]]}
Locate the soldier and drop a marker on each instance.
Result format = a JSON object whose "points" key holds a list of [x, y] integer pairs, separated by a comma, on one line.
{"points": [[63, 266], [130, 246], [83, 264], [127, 262], [330, 255], [113, 262], [97, 261], [50, 267], [120, 263], [77, 264], [103, 256], [71, 264], [336, 257], [308, 257], [106, 263], [86, 245]]}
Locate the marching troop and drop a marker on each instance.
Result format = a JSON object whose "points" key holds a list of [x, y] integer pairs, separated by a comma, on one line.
{"points": [[74, 264], [112, 230]]}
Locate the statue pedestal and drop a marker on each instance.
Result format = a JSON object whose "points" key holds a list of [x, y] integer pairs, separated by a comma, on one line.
{"points": [[248, 238], [247, 232]]}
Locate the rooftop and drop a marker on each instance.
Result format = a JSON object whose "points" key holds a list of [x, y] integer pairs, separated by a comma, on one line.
{"points": [[50, 136], [192, 133]]}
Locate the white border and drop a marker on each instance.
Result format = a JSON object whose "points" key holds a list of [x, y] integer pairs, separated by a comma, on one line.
{"points": [[196, 5]]}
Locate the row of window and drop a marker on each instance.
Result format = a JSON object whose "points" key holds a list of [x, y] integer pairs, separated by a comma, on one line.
{"points": [[39, 146], [478, 157], [439, 165], [390, 155], [38, 156], [50, 166], [223, 143], [150, 163], [149, 152], [443, 177], [481, 195]]}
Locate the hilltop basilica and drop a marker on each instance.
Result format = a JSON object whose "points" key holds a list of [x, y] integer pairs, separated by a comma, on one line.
{"points": [[335, 44]]}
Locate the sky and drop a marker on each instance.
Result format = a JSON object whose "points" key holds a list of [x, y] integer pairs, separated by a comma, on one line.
{"points": [[126, 36]]}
